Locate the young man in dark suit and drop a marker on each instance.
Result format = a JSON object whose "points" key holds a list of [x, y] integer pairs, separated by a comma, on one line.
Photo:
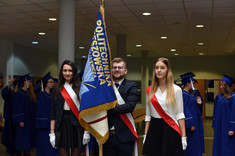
{"points": [[121, 140]]}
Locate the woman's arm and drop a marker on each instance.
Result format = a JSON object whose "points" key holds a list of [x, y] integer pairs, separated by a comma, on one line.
{"points": [[53, 111], [147, 116], [146, 127], [182, 127], [180, 117], [52, 126]]}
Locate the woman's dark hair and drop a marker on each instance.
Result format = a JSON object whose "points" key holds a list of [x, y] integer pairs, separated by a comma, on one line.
{"points": [[75, 80]]}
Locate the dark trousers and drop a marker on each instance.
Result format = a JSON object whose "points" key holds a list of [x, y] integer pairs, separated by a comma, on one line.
{"points": [[113, 147]]}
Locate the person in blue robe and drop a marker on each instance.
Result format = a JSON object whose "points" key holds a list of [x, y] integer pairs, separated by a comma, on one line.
{"points": [[224, 120], [193, 119], [37, 87], [43, 145], [198, 97], [24, 111], [8, 129], [199, 100]]}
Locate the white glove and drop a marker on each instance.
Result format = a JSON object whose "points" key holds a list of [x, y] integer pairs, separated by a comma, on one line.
{"points": [[144, 137], [184, 142], [86, 138], [52, 139]]}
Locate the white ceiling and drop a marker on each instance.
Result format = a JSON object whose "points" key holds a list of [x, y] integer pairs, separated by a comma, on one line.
{"points": [[21, 20]]}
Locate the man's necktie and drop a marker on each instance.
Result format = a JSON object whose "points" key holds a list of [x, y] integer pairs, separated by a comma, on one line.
{"points": [[117, 85]]}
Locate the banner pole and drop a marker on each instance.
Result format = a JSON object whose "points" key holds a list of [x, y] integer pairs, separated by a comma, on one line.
{"points": [[101, 150], [101, 145]]}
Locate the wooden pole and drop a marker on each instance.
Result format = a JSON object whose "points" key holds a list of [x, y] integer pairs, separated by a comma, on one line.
{"points": [[101, 150], [101, 145]]}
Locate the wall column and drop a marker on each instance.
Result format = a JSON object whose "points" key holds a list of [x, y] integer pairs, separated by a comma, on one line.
{"points": [[66, 31], [144, 76], [6, 63], [121, 45]]}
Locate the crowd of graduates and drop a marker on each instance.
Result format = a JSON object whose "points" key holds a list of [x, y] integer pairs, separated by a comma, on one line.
{"points": [[27, 121], [223, 118], [27, 117]]}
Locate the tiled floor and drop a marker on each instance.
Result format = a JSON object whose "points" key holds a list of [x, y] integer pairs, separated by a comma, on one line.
{"points": [[208, 137], [208, 132]]}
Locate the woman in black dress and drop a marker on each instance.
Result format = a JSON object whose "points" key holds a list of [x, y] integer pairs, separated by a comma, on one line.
{"points": [[165, 125], [66, 132]]}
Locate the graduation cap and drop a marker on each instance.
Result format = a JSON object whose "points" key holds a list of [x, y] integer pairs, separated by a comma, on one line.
{"points": [[24, 78], [47, 77], [229, 80], [187, 77]]}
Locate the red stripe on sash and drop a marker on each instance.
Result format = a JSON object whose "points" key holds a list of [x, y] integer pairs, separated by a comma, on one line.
{"points": [[70, 102], [129, 125], [98, 120], [163, 114]]}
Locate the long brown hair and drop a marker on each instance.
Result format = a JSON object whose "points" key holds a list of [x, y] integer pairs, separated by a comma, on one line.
{"points": [[226, 89], [170, 95], [29, 90], [75, 80], [31, 94]]}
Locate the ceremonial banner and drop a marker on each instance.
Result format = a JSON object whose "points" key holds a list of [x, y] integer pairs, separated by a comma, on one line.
{"points": [[96, 93]]}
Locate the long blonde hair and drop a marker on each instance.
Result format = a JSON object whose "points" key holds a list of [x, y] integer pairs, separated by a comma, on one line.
{"points": [[170, 95]]}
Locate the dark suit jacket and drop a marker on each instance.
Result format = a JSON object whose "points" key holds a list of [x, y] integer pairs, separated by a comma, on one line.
{"points": [[128, 91], [57, 107]]}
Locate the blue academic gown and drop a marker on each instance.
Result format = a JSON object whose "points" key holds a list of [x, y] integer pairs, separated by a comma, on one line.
{"points": [[8, 129], [196, 94], [224, 121], [195, 139], [24, 111], [43, 146]]}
